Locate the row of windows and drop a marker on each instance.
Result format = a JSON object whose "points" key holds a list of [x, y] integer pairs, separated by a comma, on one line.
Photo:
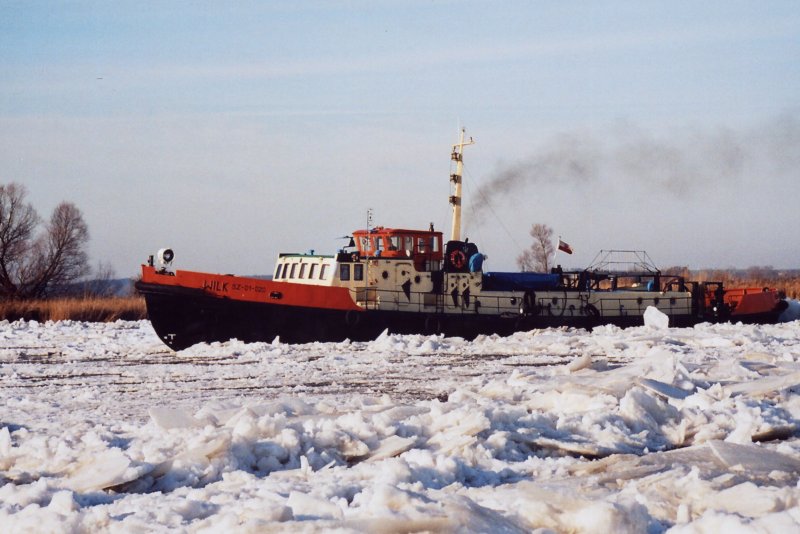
{"points": [[344, 271], [373, 244], [288, 271]]}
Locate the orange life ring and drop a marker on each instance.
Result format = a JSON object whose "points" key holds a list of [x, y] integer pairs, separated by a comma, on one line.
{"points": [[458, 259]]}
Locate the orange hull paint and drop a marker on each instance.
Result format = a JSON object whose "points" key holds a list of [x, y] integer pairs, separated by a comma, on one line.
{"points": [[748, 300], [226, 286]]}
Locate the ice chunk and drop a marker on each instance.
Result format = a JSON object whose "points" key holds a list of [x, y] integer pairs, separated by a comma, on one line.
{"points": [[581, 362], [747, 499], [5, 442], [661, 388], [753, 458], [655, 318], [167, 418], [63, 502], [763, 386], [103, 470], [390, 447], [304, 505], [571, 447]]}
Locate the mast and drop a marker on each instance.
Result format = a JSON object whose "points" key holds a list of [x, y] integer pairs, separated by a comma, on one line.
{"points": [[455, 199]]}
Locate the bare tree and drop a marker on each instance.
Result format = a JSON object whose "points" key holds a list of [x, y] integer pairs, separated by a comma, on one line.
{"points": [[537, 257], [18, 220], [31, 265]]}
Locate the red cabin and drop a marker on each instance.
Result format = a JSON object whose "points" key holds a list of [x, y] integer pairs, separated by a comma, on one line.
{"points": [[424, 247]]}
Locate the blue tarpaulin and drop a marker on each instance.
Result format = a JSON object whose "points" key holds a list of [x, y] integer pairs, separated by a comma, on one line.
{"points": [[519, 281]]}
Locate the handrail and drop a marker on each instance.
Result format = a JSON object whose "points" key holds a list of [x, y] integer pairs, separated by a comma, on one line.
{"points": [[570, 303]]}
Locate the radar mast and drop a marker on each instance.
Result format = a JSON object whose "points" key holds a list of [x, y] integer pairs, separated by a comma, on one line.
{"points": [[455, 199]]}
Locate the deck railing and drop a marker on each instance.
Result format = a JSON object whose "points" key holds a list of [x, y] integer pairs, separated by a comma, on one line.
{"points": [[569, 303]]}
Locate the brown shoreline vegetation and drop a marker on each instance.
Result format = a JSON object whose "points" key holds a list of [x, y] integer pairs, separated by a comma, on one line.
{"points": [[90, 309], [132, 308]]}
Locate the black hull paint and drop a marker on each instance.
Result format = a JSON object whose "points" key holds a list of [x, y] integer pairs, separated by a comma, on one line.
{"points": [[183, 317]]}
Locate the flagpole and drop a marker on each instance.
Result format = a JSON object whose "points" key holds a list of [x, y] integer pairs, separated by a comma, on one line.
{"points": [[556, 252]]}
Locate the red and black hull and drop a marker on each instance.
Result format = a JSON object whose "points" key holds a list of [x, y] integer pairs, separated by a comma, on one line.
{"points": [[186, 308], [182, 317]]}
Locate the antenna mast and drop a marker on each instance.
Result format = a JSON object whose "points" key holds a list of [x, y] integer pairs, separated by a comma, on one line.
{"points": [[455, 199]]}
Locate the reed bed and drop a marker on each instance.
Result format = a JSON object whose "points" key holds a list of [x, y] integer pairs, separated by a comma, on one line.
{"points": [[132, 308], [93, 309]]}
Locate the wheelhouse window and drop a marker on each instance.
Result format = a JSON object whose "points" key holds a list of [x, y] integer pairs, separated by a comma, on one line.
{"points": [[344, 271], [358, 271]]}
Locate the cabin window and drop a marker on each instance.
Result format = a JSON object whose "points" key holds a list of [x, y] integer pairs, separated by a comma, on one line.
{"points": [[379, 244], [408, 243], [291, 273], [435, 244], [344, 271], [422, 246], [358, 271], [278, 271], [394, 242], [323, 271], [312, 271], [302, 270]]}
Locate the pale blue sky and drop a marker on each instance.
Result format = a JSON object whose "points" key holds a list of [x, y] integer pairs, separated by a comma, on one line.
{"points": [[234, 131]]}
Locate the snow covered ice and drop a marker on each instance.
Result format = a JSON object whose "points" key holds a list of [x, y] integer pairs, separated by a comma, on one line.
{"points": [[645, 429]]}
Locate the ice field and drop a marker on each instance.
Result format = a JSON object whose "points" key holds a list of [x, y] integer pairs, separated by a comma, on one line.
{"points": [[645, 429]]}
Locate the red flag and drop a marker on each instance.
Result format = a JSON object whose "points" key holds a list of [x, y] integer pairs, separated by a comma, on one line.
{"points": [[564, 247]]}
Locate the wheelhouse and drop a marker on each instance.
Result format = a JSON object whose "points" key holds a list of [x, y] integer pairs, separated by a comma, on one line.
{"points": [[423, 247]]}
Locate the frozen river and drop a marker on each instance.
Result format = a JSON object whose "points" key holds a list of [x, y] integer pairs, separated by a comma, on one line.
{"points": [[643, 429]]}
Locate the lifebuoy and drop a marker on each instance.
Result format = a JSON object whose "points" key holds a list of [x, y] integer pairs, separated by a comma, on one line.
{"points": [[354, 256], [458, 259]]}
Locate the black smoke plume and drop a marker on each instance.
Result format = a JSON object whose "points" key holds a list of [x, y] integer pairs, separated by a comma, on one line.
{"points": [[627, 157]]}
